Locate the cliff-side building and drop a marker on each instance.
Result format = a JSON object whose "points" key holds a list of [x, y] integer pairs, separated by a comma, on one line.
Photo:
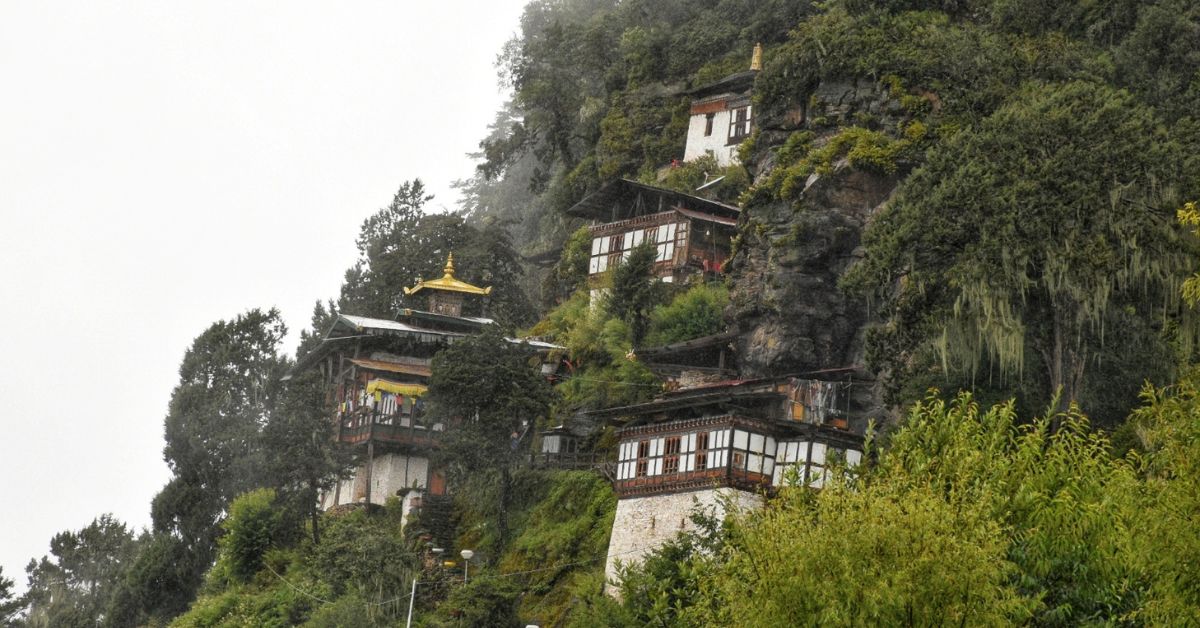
{"points": [[721, 115], [376, 373], [721, 443], [692, 235]]}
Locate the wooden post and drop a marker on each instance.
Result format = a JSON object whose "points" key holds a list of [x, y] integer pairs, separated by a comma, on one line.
{"points": [[370, 460]]}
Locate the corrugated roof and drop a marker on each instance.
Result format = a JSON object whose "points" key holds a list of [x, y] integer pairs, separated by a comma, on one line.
{"points": [[348, 326], [472, 321], [624, 194], [695, 215], [362, 323], [535, 343]]}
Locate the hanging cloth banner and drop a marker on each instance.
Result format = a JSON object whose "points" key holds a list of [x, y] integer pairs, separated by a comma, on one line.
{"points": [[382, 385]]}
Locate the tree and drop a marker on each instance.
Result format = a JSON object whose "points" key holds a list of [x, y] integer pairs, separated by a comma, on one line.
{"points": [[1189, 216], [490, 393], [1168, 533], [400, 245], [228, 386], [159, 585], [693, 314], [73, 586], [252, 527], [886, 555], [480, 602], [635, 290], [302, 457], [10, 605], [1036, 231], [967, 516]]}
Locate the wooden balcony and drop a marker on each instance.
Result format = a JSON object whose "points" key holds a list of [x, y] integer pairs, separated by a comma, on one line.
{"points": [[363, 426], [692, 481]]}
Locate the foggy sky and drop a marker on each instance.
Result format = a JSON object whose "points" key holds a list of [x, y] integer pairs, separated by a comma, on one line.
{"points": [[167, 165]]}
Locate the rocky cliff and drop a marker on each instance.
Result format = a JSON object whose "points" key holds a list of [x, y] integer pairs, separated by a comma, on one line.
{"points": [[795, 245]]}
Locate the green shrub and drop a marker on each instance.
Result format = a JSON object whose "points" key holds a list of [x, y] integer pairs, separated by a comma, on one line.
{"points": [[692, 314], [252, 524]]}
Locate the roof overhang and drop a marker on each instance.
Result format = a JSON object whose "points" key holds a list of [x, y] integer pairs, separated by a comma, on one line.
{"points": [[621, 199]]}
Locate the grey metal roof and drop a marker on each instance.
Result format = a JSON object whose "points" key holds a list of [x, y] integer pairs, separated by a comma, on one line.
{"points": [[736, 83], [348, 326], [622, 198], [373, 325]]}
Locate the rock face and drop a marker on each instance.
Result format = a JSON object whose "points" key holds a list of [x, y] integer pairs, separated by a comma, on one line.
{"points": [[785, 301]]}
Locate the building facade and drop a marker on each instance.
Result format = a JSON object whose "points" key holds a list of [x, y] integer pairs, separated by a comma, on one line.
{"points": [[377, 373], [692, 236], [721, 115], [724, 443]]}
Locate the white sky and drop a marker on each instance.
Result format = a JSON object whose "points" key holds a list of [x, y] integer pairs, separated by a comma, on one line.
{"points": [[164, 165]]}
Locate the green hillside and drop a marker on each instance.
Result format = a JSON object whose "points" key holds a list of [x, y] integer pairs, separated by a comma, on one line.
{"points": [[986, 206]]}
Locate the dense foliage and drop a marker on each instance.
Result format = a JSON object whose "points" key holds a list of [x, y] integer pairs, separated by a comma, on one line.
{"points": [[401, 244], [1032, 240], [1030, 252], [696, 312], [10, 605], [968, 515], [491, 391], [76, 583]]}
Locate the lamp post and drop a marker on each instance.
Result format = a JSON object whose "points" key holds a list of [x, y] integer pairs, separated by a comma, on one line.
{"points": [[467, 556], [412, 599]]}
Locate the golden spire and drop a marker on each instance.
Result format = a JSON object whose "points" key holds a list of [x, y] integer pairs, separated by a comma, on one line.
{"points": [[448, 282], [756, 59]]}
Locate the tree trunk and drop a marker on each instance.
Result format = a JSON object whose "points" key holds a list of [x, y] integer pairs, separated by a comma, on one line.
{"points": [[1057, 373], [1067, 360], [314, 505], [505, 498]]}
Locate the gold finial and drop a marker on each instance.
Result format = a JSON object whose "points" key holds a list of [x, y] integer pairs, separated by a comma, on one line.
{"points": [[756, 59], [448, 282]]}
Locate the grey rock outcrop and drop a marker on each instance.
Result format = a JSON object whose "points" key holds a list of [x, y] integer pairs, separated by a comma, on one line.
{"points": [[786, 303]]}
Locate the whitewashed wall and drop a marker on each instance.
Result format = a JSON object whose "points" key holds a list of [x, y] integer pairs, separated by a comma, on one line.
{"points": [[643, 524], [390, 473], [698, 144]]}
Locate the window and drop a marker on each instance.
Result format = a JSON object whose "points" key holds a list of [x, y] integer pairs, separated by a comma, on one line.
{"points": [[753, 453], [643, 450], [701, 451], [739, 124], [671, 455], [708, 123]]}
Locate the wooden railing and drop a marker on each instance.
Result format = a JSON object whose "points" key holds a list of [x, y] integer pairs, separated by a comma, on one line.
{"points": [[601, 463], [362, 426]]}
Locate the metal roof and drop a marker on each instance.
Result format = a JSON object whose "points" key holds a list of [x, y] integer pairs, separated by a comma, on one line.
{"points": [[621, 199], [348, 326], [737, 83], [537, 344], [361, 324], [720, 220], [448, 282], [471, 322]]}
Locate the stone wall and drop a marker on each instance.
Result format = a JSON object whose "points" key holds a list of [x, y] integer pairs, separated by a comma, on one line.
{"points": [[389, 473], [642, 524]]}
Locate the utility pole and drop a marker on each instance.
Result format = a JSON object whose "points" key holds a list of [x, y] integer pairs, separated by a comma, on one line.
{"points": [[411, 599]]}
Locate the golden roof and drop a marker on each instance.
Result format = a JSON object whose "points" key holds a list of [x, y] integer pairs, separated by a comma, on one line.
{"points": [[448, 282]]}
